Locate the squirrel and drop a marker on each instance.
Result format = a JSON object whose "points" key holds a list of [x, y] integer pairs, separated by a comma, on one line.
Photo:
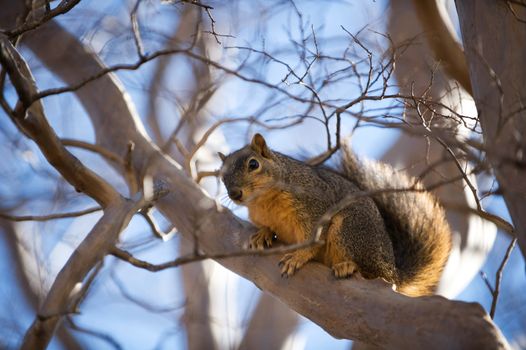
{"points": [[385, 232]]}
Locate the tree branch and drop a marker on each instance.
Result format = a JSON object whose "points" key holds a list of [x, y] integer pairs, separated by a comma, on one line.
{"points": [[30, 118], [64, 7], [499, 99], [442, 41], [50, 216], [94, 148], [91, 251], [498, 277]]}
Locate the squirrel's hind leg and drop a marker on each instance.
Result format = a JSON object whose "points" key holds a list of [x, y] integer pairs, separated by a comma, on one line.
{"points": [[336, 254], [344, 269]]}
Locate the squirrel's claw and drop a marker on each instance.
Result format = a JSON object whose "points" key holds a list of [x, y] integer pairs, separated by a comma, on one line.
{"points": [[292, 262], [263, 238]]}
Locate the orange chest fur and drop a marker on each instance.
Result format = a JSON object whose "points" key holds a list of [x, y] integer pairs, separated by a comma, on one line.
{"points": [[275, 210]]}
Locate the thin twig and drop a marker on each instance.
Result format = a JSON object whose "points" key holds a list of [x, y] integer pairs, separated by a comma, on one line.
{"points": [[86, 285], [156, 230], [203, 174], [129, 172], [497, 220], [319, 159], [136, 31], [498, 277], [449, 151], [486, 281], [103, 336], [142, 303], [62, 8], [198, 4], [50, 216], [30, 117], [126, 256], [94, 148], [217, 124]]}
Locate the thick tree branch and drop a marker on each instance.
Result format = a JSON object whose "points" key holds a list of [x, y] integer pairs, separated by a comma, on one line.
{"points": [[270, 316], [497, 73], [473, 237], [91, 251], [442, 41]]}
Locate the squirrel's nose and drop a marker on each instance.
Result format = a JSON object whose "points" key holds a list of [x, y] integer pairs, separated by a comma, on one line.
{"points": [[235, 193]]}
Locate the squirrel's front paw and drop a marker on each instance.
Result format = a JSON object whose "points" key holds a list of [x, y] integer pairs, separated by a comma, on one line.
{"points": [[263, 238], [292, 262]]}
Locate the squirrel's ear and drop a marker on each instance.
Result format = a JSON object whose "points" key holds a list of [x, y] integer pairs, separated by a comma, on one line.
{"points": [[222, 156], [259, 145]]}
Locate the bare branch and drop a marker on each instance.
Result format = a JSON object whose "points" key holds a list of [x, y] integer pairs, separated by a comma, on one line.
{"points": [[50, 216], [498, 277], [441, 39], [36, 126], [497, 220], [126, 256], [130, 175], [203, 174], [145, 213], [104, 336], [136, 31], [87, 255], [198, 4], [94, 148], [497, 79], [64, 7]]}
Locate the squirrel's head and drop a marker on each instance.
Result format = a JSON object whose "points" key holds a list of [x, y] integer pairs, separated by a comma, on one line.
{"points": [[249, 171]]}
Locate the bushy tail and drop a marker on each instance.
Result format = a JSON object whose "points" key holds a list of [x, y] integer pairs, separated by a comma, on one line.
{"points": [[415, 221]]}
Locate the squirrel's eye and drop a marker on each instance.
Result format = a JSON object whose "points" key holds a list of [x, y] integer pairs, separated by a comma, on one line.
{"points": [[253, 164]]}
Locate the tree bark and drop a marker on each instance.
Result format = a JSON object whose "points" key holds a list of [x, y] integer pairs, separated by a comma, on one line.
{"points": [[494, 46], [270, 325], [439, 33]]}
